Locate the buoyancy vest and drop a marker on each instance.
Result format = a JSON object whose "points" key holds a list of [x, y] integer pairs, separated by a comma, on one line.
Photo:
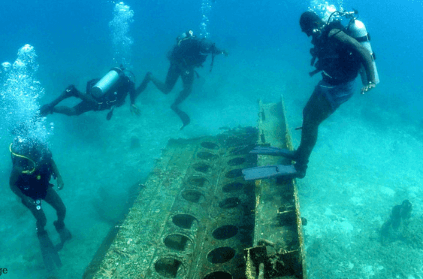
{"points": [[188, 52], [115, 96], [35, 160], [338, 63]]}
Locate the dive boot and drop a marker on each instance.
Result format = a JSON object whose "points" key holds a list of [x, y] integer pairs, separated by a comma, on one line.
{"points": [[64, 234]]}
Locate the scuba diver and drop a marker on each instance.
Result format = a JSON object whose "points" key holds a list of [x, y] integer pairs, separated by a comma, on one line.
{"points": [[340, 59], [101, 94], [189, 53], [33, 167]]}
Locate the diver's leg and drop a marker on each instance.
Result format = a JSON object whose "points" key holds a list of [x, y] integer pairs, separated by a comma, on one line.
{"points": [[65, 110], [143, 84], [70, 91], [172, 76], [38, 214], [315, 112], [56, 202], [187, 79], [76, 110]]}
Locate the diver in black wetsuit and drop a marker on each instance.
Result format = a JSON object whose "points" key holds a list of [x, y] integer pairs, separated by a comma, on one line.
{"points": [[33, 167], [188, 53], [339, 58], [116, 87]]}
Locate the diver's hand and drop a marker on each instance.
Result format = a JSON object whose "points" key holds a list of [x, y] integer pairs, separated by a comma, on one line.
{"points": [[135, 110], [368, 87], [60, 183]]}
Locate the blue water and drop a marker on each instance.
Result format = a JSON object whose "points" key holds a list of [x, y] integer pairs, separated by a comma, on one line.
{"points": [[367, 159]]}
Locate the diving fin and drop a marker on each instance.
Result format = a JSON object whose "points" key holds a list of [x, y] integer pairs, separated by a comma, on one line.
{"points": [[274, 151], [270, 171], [50, 256]]}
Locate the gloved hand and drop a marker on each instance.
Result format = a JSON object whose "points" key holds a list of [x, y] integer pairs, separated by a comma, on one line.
{"points": [[60, 183], [368, 87]]}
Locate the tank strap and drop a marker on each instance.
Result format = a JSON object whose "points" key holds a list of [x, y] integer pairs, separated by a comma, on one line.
{"points": [[363, 38]]}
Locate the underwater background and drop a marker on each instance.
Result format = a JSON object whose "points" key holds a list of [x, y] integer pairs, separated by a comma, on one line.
{"points": [[367, 158]]}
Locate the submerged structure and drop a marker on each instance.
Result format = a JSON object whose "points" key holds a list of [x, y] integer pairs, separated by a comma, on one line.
{"points": [[196, 217]]}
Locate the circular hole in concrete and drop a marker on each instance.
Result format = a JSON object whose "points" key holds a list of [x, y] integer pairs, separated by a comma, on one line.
{"points": [[184, 221], [230, 203], [225, 232], [209, 145], [197, 181], [232, 187], [218, 275], [202, 168], [176, 242], [206, 155], [168, 267], [192, 196], [221, 255], [236, 161], [234, 173]]}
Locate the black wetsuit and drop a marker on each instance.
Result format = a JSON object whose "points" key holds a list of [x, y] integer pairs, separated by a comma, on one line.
{"points": [[31, 174], [115, 97], [185, 56]]}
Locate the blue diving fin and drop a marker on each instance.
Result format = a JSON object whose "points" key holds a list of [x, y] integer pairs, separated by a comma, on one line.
{"points": [[50, 256], [269, 172]]}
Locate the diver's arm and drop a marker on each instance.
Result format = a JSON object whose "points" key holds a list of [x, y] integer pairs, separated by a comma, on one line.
{"points": [[13, 180], [56, 174], [16, 172], [133, 94], [208, 46], [355, 46]]}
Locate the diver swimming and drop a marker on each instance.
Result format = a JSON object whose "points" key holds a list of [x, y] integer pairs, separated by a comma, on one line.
{"points": [[106, 93]]}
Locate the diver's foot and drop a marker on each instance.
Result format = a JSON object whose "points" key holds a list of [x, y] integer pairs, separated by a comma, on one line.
{"points": [[185, 124], [300, 170], [46, 109], [64, 234]]}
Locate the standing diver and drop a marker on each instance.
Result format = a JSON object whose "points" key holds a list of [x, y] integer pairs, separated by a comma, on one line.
{"points": [[101, 94], [188, 53], [340, 58], [33, 167]]}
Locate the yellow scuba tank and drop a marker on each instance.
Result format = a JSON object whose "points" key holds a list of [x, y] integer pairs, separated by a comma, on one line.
{"points": [[358, 31], [106, 82]]}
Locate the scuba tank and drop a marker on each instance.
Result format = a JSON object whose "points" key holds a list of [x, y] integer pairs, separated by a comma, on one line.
{"points": [[106, 82], [358, 31]]}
